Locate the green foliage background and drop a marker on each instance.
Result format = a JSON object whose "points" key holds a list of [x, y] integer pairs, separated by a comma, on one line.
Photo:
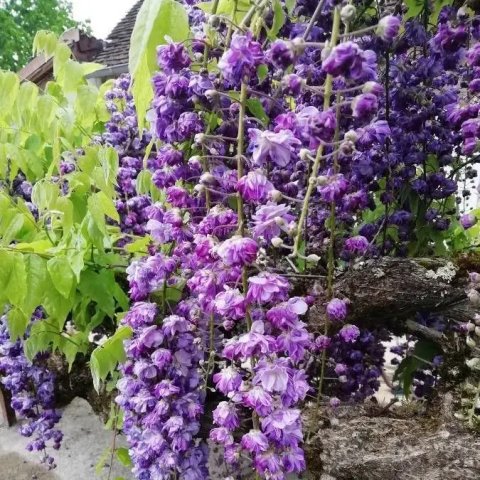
{"points": [[19, 22]]}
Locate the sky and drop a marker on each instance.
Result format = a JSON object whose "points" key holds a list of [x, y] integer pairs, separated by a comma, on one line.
{"points": [[104, 14]]}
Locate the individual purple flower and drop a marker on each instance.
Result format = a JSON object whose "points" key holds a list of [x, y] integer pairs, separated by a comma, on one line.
{"points": [[269, 464], [334, 402], [273, 377], [226, 415], [275, 146], [255, 342], [349, 60], [364, 106], [267, 287], [468, 220], [188, 124], [388, 27], [294, 460], [269, 220], [222, 436], [178, 197], [259, 400], [238, 251], [172, 57], [337, 309], [357, 245], [141, 314], [254, 187], [255, 441], [241, 59], [292, 84], [230, 304], [281, 54], [227, 380], [473, 55], [294, 342], [150, 337], [322, 342], [349, 333], [334, 188], [373, 87]]}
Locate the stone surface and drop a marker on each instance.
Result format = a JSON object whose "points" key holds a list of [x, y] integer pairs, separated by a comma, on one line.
{"points": [[85, 443], [401, 445]]}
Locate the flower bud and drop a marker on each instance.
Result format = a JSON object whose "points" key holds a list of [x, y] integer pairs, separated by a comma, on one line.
{"points": [[351, 136], [477, 331], [275, 195], [207, 178], [312, 258], [322, 180], [373, 87], [347, 147], [473, 363], [469, 327], [214, 21], [277, 242], [462, 14], [348, 13], [304, 154], [199, 138], [388, 27], [474, 277], [474, 297], [470, 342], [279, 221], [211, 94]]}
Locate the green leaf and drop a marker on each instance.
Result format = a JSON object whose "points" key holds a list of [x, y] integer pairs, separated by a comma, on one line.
{"points": [[438, 5], [138, 246], [13, 278], [61, 274], [257, 110], [142, 90], [107, 206], [99, 287], [13, 229], [290, 4], [423, 353], [105, 358], [414, 8], [227, 7], [45, 194], [301, 262], [156, 20], [262, 72], [17, 323], [124, 457], [278, 20], [37, 279]]}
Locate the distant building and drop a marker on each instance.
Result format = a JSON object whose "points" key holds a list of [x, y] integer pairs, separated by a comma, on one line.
{"points": [[84, 49], [115, 54], [112, 53]]}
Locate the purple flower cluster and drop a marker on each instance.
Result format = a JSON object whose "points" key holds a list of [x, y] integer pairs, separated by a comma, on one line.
{"points": [[273, 384], [344, 142], [161, 395], [32, 387]]}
